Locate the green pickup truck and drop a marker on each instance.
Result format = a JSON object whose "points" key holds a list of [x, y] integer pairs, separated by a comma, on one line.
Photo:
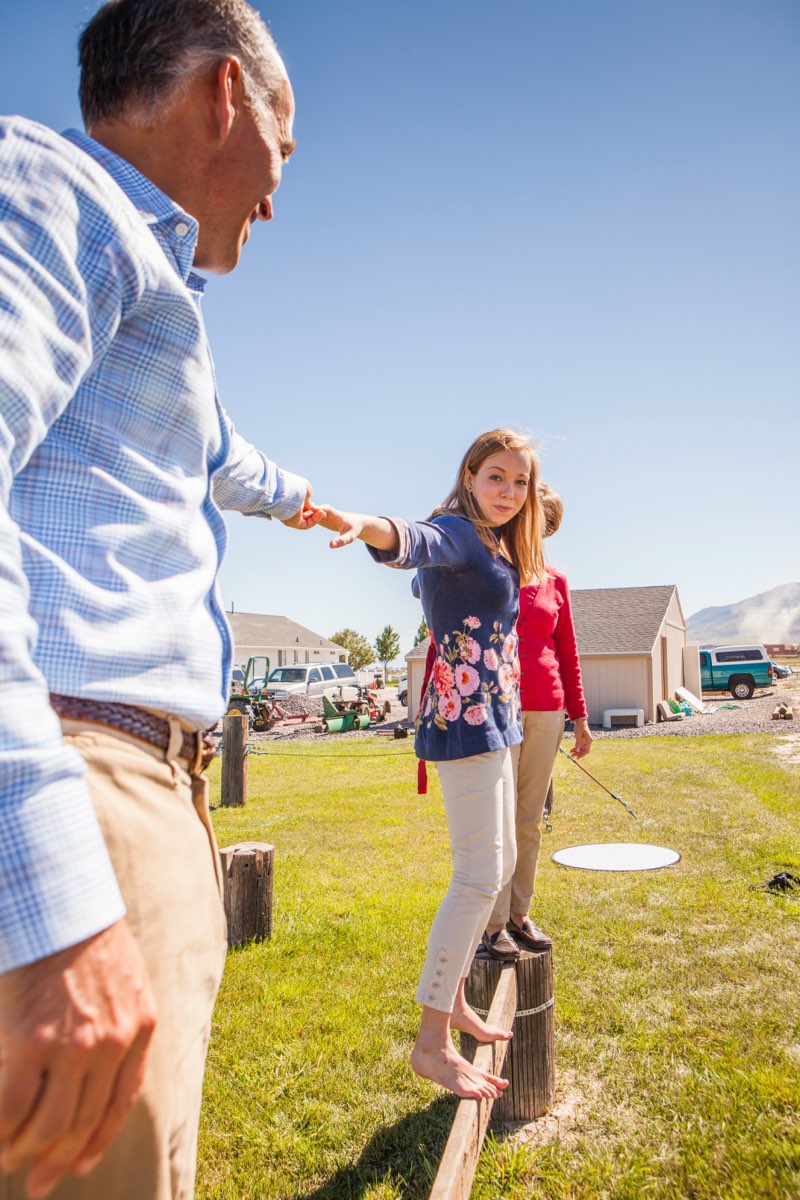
{"points": [[735, 669]]}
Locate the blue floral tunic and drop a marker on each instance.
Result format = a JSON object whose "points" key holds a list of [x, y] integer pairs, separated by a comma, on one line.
{"points": [[470, 598]]}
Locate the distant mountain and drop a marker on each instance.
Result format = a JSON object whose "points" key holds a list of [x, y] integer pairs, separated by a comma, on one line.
{"points": [[774, 616]]}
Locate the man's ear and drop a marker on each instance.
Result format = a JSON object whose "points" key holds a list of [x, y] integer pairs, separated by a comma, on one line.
{"points": [[229, 94]]}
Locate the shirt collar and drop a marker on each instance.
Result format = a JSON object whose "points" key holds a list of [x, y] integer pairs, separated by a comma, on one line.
{"points": [[175, 230]]}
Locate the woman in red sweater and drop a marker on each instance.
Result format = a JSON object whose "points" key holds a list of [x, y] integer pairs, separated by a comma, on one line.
{"points": [[550, 684]]}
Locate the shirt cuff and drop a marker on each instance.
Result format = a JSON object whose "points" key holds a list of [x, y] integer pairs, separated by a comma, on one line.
{"points": [[400, 556], [292, 491], [58, 886]]}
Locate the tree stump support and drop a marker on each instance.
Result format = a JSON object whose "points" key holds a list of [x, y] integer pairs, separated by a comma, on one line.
{"points": [[234, 760], [247, 871], [530, 1063], [520, 993], [460, 1159]]}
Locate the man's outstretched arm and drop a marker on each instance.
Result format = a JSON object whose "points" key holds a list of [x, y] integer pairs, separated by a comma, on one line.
{"points": [[250, 483]]}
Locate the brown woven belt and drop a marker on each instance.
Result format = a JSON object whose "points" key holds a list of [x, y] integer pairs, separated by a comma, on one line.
{"points": [[197, 748]]}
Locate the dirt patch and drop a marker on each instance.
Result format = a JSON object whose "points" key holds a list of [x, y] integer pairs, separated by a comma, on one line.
{"points": [[565, 1121], [788, 748]]}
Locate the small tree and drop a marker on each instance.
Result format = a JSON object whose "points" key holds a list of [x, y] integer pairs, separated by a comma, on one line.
{"points": [[423, 633], [361, 652], [387, 646]]}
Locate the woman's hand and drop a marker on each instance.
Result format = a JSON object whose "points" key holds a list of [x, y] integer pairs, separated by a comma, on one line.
{"points": [[347, 525], [583, 738], [375, 531]]}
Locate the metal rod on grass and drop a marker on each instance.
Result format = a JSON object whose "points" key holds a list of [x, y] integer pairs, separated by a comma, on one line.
{"points": [[613, 795]]}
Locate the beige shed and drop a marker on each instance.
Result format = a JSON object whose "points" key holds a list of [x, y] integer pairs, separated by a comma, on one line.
{"points": [[415, 667], [632, 647]]}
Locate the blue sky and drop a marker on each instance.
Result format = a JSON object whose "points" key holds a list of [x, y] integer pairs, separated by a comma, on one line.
{"points": [[578, 218]]}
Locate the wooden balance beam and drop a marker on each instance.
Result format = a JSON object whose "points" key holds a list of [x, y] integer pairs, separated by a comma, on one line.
{"points": [[460, 1159], [520, 994]]}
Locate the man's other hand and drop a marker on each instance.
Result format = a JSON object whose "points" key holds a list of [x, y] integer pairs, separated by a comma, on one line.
{"points": [[307, 516], [74, 1033]]}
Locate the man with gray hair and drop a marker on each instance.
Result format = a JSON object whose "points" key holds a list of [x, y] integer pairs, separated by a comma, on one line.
{"points": [[115, 460]]}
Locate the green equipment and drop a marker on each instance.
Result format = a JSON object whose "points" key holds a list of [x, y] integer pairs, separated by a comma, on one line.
{"points": [[337, 720], [249, 696]]}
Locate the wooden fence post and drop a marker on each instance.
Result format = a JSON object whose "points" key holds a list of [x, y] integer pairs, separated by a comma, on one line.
{"points": [[234, 760], [530, 1062], [247, 870]]}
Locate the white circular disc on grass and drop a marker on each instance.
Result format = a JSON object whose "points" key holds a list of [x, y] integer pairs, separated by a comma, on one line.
{"points": [[616, 856]]}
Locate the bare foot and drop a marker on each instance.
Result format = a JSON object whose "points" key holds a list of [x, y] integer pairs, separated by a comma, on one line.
{"points": [[445, 1066], [466, 1020]]}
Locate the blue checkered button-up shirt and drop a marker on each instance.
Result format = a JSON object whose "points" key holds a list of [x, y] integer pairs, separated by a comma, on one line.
{"points": [[115, 459]]}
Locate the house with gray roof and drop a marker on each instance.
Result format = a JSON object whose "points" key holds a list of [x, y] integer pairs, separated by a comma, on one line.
{"points": [[632, 647], [284, 642]]}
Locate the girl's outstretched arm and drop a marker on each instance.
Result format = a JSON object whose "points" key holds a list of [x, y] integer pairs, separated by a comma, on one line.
{"points": [[375, 531]]}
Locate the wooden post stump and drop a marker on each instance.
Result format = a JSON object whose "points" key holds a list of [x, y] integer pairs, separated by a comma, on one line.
{"points": [[530, 1062], [247, 872], [234, 760]]}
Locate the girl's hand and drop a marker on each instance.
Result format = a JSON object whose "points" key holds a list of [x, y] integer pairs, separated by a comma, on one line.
{"points": [[347, 525], [583, 738]]}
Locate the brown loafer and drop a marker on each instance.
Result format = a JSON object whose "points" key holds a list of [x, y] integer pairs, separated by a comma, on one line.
{"points": [[500, 946], [530, 935]]}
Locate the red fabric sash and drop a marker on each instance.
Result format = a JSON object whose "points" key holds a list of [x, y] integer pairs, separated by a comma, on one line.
{"points": [[422, 770]]}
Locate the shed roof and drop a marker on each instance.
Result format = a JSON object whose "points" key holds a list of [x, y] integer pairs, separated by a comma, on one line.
{"points": [[619, 620], [611, 620], [260, 629]]}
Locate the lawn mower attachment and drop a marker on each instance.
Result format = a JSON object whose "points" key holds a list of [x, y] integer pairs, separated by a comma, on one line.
{"points": [[352, 708]]}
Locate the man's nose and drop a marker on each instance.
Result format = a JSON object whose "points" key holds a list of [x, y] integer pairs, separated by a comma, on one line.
{"points": [[265, 209]]}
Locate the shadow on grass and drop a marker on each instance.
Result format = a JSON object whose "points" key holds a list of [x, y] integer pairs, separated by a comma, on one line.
{"points": [[405, 1156]]}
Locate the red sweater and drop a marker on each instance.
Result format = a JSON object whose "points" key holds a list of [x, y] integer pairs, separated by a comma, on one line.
{"points": [[548, 653]]}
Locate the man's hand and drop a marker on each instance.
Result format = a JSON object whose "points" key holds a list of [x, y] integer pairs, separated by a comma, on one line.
{"points": [[307, 516], [74, 1032], [583, 738]]}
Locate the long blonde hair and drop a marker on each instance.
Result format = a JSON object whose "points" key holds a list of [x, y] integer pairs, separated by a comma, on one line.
{"points": [[522, 535]]}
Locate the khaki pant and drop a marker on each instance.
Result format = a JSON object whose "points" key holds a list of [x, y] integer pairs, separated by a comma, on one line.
{"points": [[479, 802], [533, 769], [156, 825]]}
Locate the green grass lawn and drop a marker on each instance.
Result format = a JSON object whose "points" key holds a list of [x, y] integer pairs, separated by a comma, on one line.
{"points": [[677, 991]]}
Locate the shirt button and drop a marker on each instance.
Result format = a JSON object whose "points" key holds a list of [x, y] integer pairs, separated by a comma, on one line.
{"points": [[181, 229]]}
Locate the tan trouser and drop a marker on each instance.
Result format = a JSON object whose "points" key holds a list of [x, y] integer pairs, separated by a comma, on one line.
{"points": [[533, 768], [155, 822], [479, 802]]}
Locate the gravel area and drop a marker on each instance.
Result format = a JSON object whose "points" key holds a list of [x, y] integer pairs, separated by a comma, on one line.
{"points": [[749, 716], [313, 730]]}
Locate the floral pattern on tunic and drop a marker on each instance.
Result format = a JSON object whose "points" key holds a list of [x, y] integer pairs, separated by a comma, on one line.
{"points": [[457, 691]]}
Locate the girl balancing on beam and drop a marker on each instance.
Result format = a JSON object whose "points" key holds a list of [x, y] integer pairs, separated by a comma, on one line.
{"points": [[471, 555]]}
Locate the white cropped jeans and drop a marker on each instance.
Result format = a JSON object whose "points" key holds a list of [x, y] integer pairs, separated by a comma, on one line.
{"points": [[479, 802]]}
